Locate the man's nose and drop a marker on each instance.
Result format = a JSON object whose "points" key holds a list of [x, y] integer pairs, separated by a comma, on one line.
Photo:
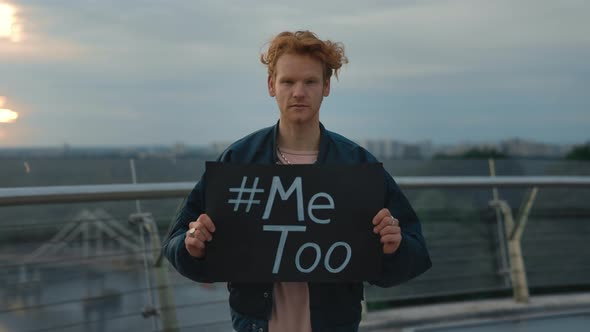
{"points": [[298, 90]]}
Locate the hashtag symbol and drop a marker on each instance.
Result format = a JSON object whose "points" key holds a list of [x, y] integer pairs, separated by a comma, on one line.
{"points": [[252, 191]]}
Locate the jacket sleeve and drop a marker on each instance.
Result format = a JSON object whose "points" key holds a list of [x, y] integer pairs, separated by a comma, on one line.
{"points": [[174, 248], [411, 258]]}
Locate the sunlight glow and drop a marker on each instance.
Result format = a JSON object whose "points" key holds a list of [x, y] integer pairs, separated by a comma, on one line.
{"points": [[8, 26], [6, 115]]}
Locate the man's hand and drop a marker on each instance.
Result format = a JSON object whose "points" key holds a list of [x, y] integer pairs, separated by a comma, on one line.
{"points": [[200, 231], [388, 228]]}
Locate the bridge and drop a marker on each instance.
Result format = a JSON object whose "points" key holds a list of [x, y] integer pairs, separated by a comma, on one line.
{"points": [[491, 247]]}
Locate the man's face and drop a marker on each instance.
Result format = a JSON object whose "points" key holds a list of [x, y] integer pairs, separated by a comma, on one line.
{"points": [[299, 88]]}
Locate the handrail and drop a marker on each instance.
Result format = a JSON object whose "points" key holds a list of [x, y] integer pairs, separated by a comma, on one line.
{"points": [[119, 192], [92, 193], [465, 182]]}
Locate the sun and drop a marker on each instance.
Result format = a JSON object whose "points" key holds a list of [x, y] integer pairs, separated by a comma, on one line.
{"points": [[6, 115], [8, 26]]}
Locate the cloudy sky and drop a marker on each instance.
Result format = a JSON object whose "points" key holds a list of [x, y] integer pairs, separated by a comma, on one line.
{"points": [[132, 72]]}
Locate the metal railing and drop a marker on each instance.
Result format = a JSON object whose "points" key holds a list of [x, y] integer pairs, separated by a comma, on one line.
{"points": [[116, 192], [510, 228]]}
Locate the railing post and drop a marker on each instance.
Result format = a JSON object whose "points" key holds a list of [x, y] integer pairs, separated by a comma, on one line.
{"points": [[364, 309], [518, 272], [166, 300], [514, 234], [502, 255]]}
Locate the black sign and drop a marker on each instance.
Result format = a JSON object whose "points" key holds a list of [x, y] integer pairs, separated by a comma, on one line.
{"points": [[293, 223]]}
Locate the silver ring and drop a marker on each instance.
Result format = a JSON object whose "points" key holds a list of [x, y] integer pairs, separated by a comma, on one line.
{"points": [[191, 232], [392, 220]]}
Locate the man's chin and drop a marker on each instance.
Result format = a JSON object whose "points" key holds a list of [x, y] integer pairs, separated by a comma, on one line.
{"points": [[300, 117]]}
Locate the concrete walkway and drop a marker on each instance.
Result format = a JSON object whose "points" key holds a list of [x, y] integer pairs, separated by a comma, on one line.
{"points": [[407, 318]]}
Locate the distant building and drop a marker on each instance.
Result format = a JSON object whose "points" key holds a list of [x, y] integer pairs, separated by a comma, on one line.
{"points": [[528, 149], [179, 148], [219, 147], [391, 149], [516, 147]]}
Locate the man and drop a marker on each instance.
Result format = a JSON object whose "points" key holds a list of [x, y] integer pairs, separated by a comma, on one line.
{"points": [[299, 70]]}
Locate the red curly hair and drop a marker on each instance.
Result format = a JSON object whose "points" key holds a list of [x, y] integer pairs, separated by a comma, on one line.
{"points": [[330, 54]]}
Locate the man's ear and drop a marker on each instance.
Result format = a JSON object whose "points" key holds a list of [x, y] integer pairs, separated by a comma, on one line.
{"points": [[271, 86], [327, 88]]}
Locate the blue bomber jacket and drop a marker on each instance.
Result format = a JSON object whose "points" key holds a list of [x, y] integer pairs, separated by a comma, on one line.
{"points": [[332, 305]]}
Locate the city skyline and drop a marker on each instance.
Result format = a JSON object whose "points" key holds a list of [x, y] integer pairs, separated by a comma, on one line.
{"points": [[381, 148], [360, 141], [132, 73]]}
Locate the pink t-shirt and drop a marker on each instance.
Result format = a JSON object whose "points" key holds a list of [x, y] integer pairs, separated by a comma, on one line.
{"points": [[290, 309]]}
